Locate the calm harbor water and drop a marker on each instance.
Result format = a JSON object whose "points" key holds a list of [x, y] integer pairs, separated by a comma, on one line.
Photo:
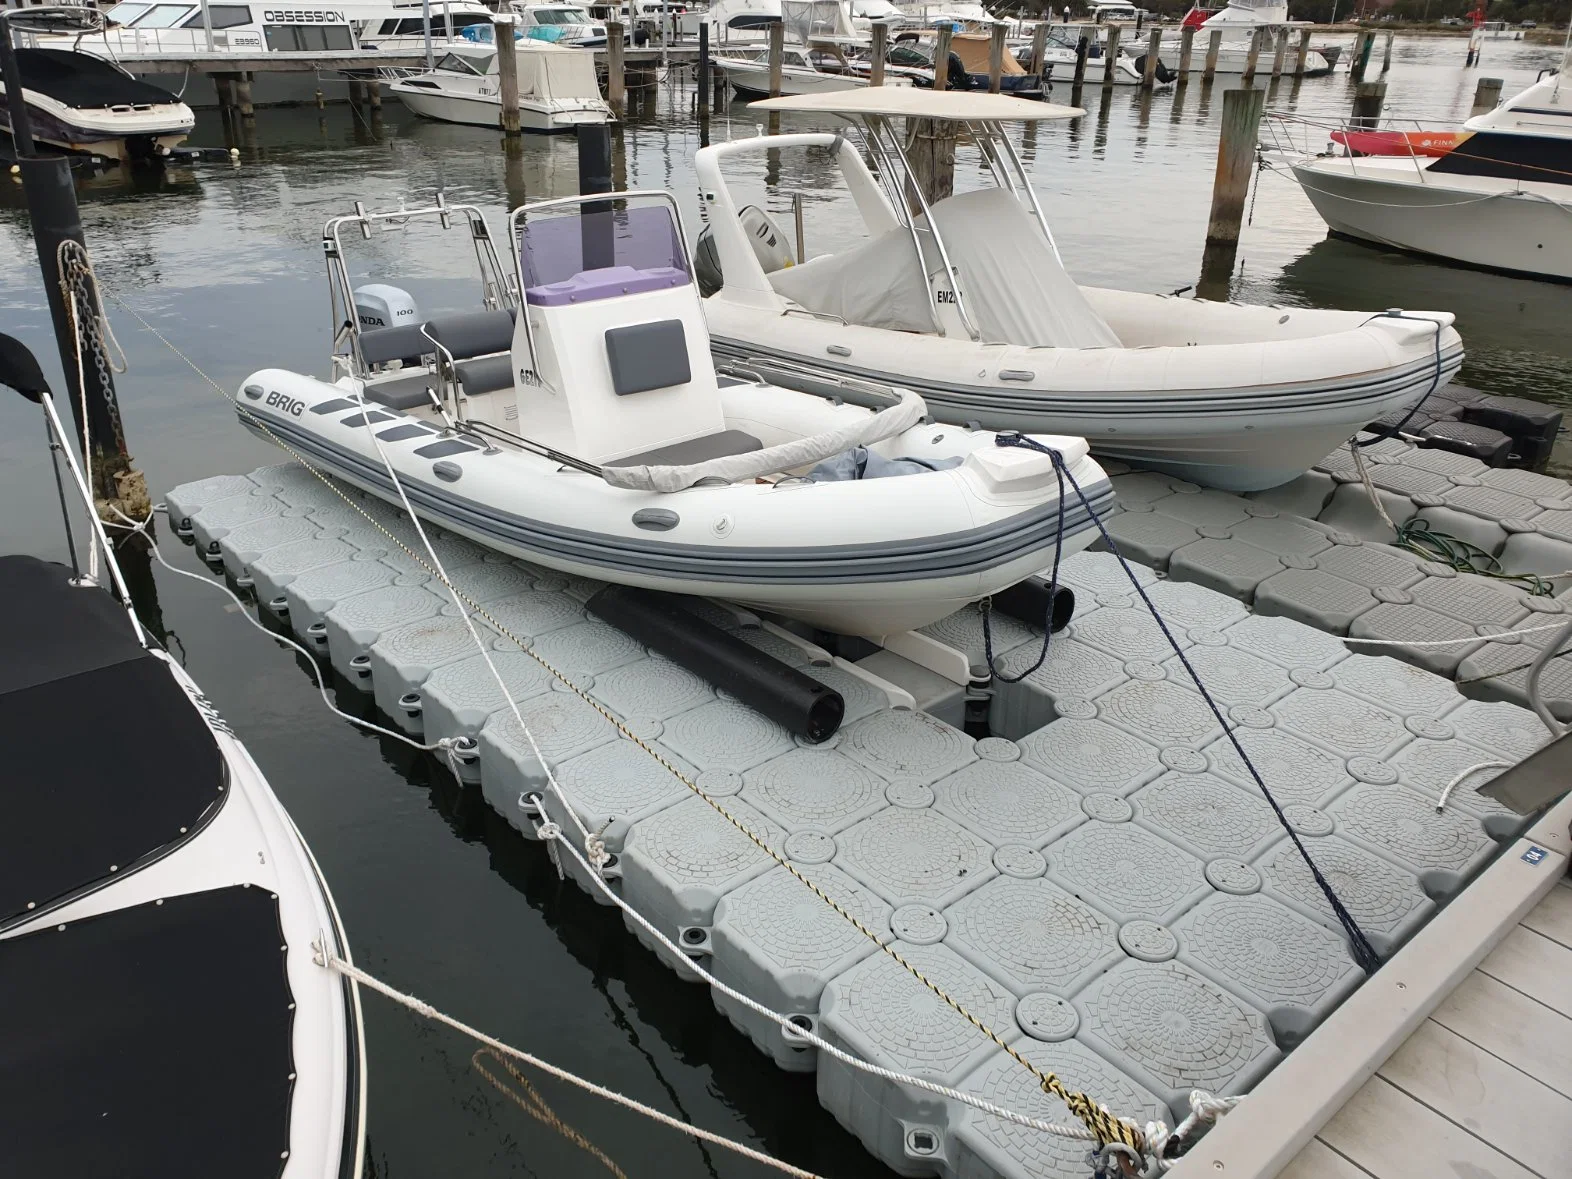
{"points": [[440, 896]]}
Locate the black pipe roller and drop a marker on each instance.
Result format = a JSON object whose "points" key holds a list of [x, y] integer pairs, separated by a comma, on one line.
{"points": [[1032, 603]]}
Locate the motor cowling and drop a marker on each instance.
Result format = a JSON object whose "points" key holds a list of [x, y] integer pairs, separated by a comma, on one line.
{"points": [[378, 305], [764, 234]]}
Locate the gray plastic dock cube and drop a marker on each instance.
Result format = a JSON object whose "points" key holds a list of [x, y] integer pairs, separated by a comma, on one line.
{"points": [[1183, 605], [1128, 632], [879, 1012], [1175, 1030], [1428, 767], [1092, 756], [1206, 815], [1442, 849], [185, 501], [1315, 598], [457, 699], [723, 734], [654, 688], [1070, 668], [1231, 675], [355, 624], [1340, 723], [1282, 962], [311, 595], [532, 614], [1090, 574], [1126, 872], [275, 569], [1370, 565], [1296, 772], [780, 945], [915, 855], [1396, 686], [1008, 803], [588, 648], [1305, 496], [563, 726], [963, 631], [1147, 536], [1285, 642], [1226, 566], [1162, 711], [403, 659], [814, 789], [214, 521], [1032, 935], [907, 746], [1386, 900], [244, 544], [1401, 623]]}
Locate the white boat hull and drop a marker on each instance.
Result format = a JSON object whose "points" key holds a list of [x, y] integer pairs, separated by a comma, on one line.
{"points": [[1234, 56], [480, 110], [749, 78], [1201, 390], [867, 557], [1477, 221]]}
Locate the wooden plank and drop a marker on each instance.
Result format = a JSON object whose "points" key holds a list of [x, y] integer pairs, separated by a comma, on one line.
{"points": [[1535, 965], [1319, 1161], [1507, 1023], [1393, 1136], [1506, 1107], [1553, 916]]}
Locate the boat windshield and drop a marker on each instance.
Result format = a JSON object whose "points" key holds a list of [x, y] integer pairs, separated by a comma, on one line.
{"points": [[465, 64], [124, 14], [161, 16], [560, 16], [584, 252]]}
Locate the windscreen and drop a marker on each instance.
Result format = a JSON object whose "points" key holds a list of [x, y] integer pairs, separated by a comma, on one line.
{"points": [[589, 251]]}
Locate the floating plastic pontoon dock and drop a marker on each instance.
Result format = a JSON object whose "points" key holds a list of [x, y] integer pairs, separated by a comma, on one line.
{"points": [[1099, 881]]}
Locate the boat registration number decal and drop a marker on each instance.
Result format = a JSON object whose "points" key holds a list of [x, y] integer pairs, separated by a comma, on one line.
{"points": [[289, 405], [946, 296]]}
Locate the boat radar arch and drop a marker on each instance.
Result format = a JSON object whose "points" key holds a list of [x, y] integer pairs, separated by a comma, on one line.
{"points": [[914, 103]]}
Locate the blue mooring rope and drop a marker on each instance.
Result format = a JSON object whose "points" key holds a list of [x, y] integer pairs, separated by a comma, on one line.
{"points": [[1364, 953]]}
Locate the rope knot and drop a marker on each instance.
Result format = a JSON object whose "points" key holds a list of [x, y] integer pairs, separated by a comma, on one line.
{"points": [[595, 851], [549, 831]]}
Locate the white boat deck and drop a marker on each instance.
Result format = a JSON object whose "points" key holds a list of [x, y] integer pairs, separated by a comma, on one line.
{"points": [[1484, 1085]]}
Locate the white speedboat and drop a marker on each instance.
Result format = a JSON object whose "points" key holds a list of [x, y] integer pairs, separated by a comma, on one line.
{"points": [[85, 104], [1238, 21], [1060, 50], [1500, 198], [740, 23], [560, 24], [557, 87], [969, 303], [161, 918], [818, 56], [585, 427]]}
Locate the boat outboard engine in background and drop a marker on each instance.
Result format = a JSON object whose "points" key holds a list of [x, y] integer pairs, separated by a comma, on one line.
{"points": [[378, 305], [769, 247]]}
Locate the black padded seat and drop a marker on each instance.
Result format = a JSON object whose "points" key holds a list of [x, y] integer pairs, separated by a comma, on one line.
{"points": [[694, 450], [404, 342], [486, 375], [473, 333], [403, 392]]}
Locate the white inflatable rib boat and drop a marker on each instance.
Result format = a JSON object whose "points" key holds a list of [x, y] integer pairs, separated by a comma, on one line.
{"points": [[584, 427], [968, 303]]}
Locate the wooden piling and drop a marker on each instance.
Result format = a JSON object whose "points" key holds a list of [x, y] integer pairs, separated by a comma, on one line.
{"points": [[1487, 96], [1235, 165], [1362, 46], [1214, 44], [357, 93], [931, 152], [878, 52], [1186, 46], [1369, 97], [616, 78], [1253, 58], [1386, 53], [777, 55], [1280, 35], [243, 95], [704, 68], [1040, 48], [1083, 46], [508, 70], [374, 94], [941, 62], [996, 59], [1111, 55], [1154, 44], [1304, 53], [224, 86]]}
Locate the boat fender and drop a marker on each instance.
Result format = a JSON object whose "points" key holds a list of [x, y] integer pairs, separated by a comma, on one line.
{"points": [[1034, 600], [799, 703]]}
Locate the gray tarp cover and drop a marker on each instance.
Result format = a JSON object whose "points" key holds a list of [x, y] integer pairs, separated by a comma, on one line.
{"points": [[1014, 288], [786, 456]]}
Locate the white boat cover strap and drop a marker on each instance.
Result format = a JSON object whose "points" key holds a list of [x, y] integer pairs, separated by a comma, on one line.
{"points": [[787, 456], [1014, 288]]}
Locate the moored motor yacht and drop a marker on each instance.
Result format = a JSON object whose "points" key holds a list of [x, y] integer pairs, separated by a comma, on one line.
{"points": [[1238, 21], [164, 929], [1498, 196], [85, 104], [968, 302], [575, 418], [557, 87]]}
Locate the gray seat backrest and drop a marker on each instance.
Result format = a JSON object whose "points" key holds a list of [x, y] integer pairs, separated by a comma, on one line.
{"points": [[403, 342], [473, 333], [645, 356]]}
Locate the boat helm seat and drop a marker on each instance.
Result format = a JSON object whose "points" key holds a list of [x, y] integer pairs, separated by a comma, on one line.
{"points": [[404, 342], [402, 392], [480, 344], [694, 450]]}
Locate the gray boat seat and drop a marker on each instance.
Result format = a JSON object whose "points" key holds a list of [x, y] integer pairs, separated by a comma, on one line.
{"points": [[694, 450], [403, 392], [473, 333], [405, 342], [486, 375]]}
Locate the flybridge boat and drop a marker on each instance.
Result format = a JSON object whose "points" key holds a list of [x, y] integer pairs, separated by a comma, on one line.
{"points": [[163, 926], [1496, 196], [819, 54], [557, 87], [1238, 21], [575, 418], [968, 302], [85, 104]]}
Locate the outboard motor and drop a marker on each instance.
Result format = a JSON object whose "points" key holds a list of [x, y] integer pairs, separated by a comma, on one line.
{"points": [[378, 305], [763, 233]]}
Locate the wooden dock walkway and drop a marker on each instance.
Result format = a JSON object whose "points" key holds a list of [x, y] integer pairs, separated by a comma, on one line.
{"points": [[1455, 1059]]}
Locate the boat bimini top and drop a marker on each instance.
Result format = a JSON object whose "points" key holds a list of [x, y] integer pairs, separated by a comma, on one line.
{"points": [[575, 418]]}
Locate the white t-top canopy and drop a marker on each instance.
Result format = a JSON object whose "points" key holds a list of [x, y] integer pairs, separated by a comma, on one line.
{"points": [[911, 102]]}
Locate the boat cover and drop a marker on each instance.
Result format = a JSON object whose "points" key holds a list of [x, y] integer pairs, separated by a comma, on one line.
{"points": [[787, 456], [84, 82], [976, 54], [1014, 287], [153, 1040], [108, 763], [557, 73]]}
